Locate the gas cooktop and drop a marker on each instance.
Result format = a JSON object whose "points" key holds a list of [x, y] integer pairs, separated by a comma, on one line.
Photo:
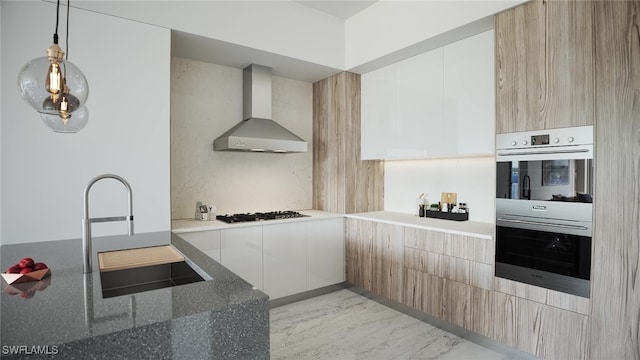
{"points": [[272, 215]]}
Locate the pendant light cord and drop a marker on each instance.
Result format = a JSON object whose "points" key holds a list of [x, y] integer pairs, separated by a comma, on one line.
{"points": [[55, 35], [67, 35]]}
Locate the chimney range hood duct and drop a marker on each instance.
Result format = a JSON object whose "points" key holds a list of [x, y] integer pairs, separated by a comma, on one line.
{"points": [[257, 132]]}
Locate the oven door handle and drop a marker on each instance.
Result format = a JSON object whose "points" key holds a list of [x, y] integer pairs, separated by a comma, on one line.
{"points": [[519, 153], [539, 223]]}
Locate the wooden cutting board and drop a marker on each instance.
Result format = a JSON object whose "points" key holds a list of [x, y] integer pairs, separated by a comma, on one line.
{"points": [[135, 258], [449, 198]]}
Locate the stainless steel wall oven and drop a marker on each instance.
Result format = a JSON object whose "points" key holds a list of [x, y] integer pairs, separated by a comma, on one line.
{"points": [[544, 195]]}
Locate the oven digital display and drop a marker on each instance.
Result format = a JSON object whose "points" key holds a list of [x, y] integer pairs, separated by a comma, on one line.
{"points": [[540, 140]]}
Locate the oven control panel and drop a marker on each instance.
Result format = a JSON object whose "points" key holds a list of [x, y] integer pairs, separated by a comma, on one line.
{"points": [[582, 135], [539, 140]]}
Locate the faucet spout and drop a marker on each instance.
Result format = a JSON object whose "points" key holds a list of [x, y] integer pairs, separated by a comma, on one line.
{"points": [[86, 220]]}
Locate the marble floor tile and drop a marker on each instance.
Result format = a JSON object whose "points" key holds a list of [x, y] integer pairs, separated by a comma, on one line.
{"points": [[346, 325]]}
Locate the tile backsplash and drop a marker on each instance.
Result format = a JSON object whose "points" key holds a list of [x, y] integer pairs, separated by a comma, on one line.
{"points": [[206, 101]]}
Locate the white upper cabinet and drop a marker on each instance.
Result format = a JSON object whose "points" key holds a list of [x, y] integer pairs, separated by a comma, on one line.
{"points": [[378, 96], [469, 96], [436, 104], [418, 115]]}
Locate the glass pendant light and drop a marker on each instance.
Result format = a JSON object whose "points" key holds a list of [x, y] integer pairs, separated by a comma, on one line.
{"points": [[55, 87], [75, 121]]}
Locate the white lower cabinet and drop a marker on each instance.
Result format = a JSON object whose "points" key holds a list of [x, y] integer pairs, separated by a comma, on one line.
{"points": [[241, 252], [325, 253], [280, 259], [284, 256], [206, 241]]}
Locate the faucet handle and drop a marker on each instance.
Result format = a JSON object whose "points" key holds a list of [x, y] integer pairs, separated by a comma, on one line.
{"points": [[130, 222]]}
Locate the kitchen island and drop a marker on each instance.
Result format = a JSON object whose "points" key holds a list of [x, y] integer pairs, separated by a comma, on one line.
{"points": [[224, 317]]}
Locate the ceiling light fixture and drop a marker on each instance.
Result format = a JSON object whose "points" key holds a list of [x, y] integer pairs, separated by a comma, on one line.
{"points": [[55, 87]]}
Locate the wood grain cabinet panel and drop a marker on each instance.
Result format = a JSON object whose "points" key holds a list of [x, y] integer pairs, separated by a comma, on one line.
{"points": [[551, 333], [545, 66], [391, 261], [358, 252], [563, 335], [387, 261], [424, 261], [615, 271], [505, 318], [412, 288], [482, 311], [427, 240], [342, 183], [375, 257], [516, 288], [423, 292], [456, 303], [529, 326]]}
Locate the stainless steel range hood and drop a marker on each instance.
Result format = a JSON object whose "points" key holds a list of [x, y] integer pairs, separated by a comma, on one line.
{"points": [[257, 132]]}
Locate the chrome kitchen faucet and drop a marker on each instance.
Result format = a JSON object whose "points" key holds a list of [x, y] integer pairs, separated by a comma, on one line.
{"points": [[86, 221]]}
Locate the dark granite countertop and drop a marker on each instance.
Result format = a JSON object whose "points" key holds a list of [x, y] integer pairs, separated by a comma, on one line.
{"points": [[224, 317]]}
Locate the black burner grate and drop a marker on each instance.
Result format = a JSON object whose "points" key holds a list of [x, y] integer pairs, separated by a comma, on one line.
{"points": [[272, 215]]}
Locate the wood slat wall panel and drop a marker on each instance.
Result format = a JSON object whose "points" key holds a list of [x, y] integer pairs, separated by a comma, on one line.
{"points": [[615, 271], [342, 183]]}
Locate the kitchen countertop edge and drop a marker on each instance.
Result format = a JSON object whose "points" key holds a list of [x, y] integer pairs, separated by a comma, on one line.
{"points": [[466, 228], [181, 226]]}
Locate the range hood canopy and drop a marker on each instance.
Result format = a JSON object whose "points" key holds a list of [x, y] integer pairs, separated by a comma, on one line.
{"points": [[257, 132]]}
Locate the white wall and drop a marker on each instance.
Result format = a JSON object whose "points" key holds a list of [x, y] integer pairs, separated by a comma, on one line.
{"points": [[472, 178], [389, 26], [44, 173], [206, 101], [280, 27], [1, 82]]}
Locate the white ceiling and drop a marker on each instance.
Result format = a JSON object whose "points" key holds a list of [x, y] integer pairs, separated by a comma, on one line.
{"points": [[223, 53], [343, 9]]}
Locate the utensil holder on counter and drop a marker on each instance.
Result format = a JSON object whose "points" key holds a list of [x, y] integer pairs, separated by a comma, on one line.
{"points": [[447, 215]]}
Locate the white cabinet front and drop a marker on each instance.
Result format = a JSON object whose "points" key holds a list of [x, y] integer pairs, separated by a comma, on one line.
{"points": [[280, 259], [378, 108], [241, 252], [436, 104], [325, 253], [206, 241], [285, 259], [418, 120], [469, 98]]}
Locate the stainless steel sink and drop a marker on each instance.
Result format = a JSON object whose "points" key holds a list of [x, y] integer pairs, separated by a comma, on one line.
{"points": [[140, 279]]}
